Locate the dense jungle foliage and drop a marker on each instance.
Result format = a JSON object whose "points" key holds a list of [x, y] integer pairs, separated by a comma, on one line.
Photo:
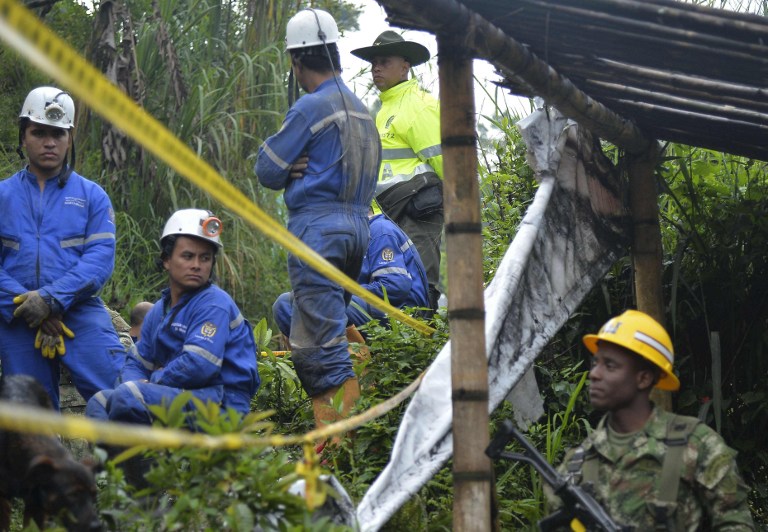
{"points": [[215, 74]]}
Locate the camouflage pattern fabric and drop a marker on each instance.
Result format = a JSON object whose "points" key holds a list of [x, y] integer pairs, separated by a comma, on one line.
{"points": [[122, 328], [711, 496]]}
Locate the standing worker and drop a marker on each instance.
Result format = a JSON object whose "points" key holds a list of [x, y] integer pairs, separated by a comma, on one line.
{"points": [[651, 469], [410, 187], [57, 249], [326, 157]]}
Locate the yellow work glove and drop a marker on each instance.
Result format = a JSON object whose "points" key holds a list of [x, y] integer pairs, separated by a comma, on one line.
{"points": [[32, 308], [51, 345]]}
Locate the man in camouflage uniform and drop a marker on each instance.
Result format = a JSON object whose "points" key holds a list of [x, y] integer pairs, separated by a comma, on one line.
{"points": [[121, 328], [651, 469]]}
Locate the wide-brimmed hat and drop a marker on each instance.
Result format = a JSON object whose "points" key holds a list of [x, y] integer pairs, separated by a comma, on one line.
{"points": [[392, 43]]}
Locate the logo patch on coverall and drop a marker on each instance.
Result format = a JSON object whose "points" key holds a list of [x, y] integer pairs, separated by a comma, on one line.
{"points": [[388, 254], [208, 329]]}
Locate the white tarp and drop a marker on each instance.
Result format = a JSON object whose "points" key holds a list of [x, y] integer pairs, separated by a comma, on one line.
{"points": [[570, 236]]}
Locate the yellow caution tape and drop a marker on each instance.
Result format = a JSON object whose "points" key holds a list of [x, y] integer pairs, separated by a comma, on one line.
{"points": [[276, 353], [24, 32], [309, 469], [29, 419]]}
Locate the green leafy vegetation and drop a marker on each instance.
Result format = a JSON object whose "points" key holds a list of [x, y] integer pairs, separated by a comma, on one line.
{"points": [[197, 489]]}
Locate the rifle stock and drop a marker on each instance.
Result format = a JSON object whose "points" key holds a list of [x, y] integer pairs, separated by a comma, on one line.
{"points": [[578, 503]]}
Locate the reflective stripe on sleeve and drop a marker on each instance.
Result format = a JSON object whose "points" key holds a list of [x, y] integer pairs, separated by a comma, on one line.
{"points": [[207, 355], [388, 271]]}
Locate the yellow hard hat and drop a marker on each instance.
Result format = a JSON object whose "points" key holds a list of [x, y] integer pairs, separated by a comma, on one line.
{"points": [[641, 334]]}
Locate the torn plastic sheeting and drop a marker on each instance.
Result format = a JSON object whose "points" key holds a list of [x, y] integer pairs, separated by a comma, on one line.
{"points": [[570, 236]]}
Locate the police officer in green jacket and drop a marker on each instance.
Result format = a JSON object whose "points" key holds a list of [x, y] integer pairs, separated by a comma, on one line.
{"points": [[410, 189], [651, 469]]}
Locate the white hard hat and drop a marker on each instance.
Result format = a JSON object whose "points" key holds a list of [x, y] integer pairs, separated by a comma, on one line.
{"points": [[310, 27], [194, 222], [49, 106]]}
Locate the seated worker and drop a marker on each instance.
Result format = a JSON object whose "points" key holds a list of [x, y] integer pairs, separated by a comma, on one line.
{"points": [[138, 313], [193, 339], [392, 265], [651, 469]]}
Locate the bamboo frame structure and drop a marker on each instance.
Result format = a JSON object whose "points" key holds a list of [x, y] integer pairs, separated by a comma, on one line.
{"points": [[464, 246], [486, 41], [647, 252], [651, 69]]}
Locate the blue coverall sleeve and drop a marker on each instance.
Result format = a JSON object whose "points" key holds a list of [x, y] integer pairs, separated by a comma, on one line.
{"points": [[388, 270], [280, 151], [134, 368], [9, 288], [96, 263], [200, 361]]}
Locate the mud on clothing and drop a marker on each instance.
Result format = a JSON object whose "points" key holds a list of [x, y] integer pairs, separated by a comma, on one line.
{"points": [[391, 264], [60, 241], [328, 209], [203, 345]]}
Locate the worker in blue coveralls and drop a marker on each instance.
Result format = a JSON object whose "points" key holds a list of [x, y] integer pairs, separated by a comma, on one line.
{"points": [[57, 249], [193, 339], [326, 157], [392, 269]]}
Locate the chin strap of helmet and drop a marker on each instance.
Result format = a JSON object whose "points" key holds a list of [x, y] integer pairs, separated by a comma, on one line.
{"points": [[293, 89], [67, 169], [18, 148]]}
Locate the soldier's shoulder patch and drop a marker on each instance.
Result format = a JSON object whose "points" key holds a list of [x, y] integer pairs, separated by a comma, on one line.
{"points": [[208, 329], [388, 254]]}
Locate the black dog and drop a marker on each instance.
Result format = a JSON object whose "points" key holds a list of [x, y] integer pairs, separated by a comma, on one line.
{"points": [[41, 471]]}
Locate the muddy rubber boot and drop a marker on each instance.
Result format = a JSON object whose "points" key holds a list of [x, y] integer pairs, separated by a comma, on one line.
{"points": [[325, 413], [360, 351]]}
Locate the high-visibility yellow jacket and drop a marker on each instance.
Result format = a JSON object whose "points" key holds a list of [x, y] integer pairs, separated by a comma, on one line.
{"points": [[409, 126]]}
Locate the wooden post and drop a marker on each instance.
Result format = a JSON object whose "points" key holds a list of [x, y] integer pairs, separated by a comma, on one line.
{"points": [[469, 364], [647, 252]]}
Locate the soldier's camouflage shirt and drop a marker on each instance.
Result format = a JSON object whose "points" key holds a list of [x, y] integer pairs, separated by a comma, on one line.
{"points": [[122, 328], [711, 496]]}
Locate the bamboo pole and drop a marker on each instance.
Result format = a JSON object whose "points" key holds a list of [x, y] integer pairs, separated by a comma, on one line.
{"points": [[672, 36], [743, 96], [469, 364], [684, 104], [646, 242], [696, 130], [712, 20]]}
